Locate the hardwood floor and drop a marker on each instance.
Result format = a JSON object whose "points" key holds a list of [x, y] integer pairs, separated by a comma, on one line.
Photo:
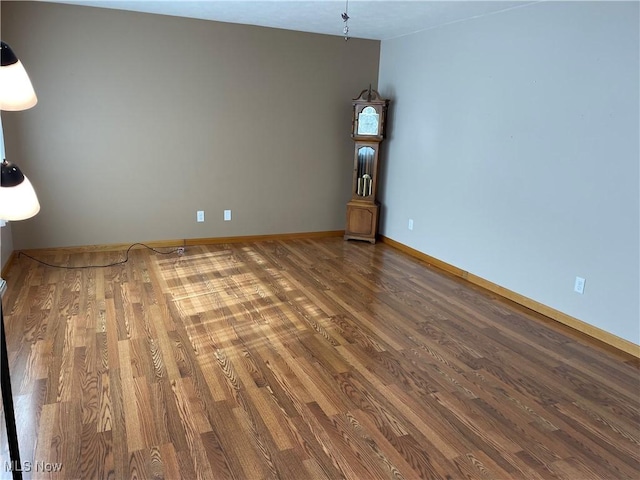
{"points": [[303, 359]]}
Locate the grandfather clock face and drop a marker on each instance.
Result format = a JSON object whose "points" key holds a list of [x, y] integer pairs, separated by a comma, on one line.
{"points": [[368, 122]]}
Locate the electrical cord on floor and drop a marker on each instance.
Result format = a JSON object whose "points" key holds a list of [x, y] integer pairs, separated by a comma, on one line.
{"points": [[179, 251]]}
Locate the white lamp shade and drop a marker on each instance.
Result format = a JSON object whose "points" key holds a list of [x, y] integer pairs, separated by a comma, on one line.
{"points": [[19, 202], [16, 91]]}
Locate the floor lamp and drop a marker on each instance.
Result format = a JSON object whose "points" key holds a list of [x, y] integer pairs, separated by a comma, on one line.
{"points": [[18, 201]]}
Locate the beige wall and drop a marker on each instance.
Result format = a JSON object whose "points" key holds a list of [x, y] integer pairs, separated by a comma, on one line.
{"points": [[144, 119]]}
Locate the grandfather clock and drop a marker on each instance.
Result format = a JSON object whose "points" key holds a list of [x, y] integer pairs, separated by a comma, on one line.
{"points": [[367, 130]]}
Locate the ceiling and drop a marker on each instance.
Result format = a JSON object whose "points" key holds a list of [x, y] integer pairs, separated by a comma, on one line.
{"points": [[371, 19]]}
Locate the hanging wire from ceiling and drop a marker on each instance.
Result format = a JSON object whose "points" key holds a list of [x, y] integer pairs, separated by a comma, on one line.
{"points": [[345, 19]]}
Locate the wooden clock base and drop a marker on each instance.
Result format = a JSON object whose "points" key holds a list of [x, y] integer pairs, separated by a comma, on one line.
{"points": [[362, 221]]}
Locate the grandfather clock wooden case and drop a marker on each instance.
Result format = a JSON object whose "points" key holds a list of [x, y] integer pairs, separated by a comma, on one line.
{"points": [[367, 130]]}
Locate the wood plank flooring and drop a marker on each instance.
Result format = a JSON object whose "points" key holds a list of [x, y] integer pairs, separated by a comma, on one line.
{"points": [[303, 359]]}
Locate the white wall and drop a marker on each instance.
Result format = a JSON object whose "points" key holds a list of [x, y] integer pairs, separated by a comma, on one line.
{"points": [[6, 245], [514, 147], [6, 240]]}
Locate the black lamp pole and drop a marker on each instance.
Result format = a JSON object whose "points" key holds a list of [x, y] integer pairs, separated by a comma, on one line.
{"points": [[7, 404]]}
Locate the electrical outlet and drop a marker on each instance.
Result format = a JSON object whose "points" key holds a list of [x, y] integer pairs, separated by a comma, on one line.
{"points": [[227, 215], [579, 285], [410, 226], [200, 216]]}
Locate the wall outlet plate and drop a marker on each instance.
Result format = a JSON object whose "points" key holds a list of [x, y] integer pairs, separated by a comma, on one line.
{"points": [[200, 216], [227, 215], [578, 286]]}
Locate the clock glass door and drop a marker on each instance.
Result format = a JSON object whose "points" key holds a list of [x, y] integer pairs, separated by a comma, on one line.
{"points": [[365, 171]]}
